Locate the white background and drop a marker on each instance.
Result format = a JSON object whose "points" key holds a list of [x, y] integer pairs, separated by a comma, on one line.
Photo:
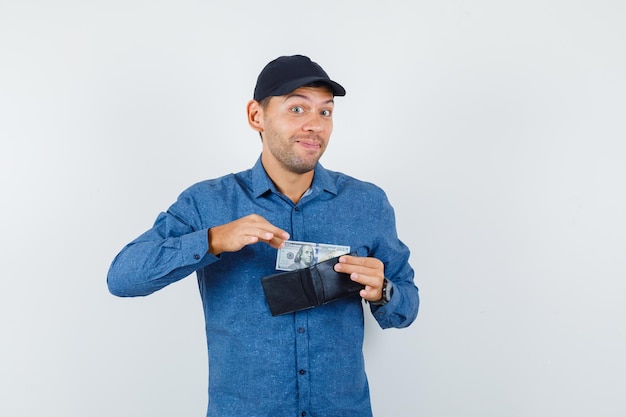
{"points": [[497, 129]]}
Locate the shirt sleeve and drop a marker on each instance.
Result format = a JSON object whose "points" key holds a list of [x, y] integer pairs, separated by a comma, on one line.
{"points": [[171, 250], [402, 308]]}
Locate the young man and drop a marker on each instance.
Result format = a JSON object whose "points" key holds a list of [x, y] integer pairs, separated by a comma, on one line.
{"points": [[229, 231]]}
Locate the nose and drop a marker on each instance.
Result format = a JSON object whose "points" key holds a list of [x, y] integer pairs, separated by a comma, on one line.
{"points": [[314, 124]]}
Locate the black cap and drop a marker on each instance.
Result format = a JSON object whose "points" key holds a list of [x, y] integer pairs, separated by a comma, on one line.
{"points": [[287, 73]]}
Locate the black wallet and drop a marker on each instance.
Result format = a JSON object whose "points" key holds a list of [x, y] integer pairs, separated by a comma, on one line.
{"points": [[297, 290]]}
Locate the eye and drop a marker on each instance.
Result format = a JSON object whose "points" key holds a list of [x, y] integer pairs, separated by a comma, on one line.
{"points": [[326, 113], [297, 109]]}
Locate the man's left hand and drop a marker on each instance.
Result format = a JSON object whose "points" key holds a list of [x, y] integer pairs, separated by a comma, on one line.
{"points": [[367, 271]]}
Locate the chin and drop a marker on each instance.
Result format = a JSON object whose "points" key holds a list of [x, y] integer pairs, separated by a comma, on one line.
{"points": [[301, 169], [301, 166]]}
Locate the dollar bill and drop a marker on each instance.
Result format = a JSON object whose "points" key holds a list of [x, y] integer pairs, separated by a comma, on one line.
{"points": [[297, 255]]}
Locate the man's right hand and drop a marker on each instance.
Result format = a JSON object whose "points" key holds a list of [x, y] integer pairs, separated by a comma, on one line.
{"points": [[233, 236]]}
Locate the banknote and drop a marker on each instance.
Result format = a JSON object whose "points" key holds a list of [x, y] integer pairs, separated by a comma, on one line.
{"points": [[297, 255]]}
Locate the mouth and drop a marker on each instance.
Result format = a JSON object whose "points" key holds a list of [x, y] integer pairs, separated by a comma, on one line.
{"points": [[309, 143]]}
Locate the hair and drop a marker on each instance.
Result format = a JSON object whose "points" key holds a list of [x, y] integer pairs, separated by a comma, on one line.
{"points": [[265, 102]]}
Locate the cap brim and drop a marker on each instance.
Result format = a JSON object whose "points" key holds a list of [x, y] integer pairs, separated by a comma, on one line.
{"points": [[286, 88]]}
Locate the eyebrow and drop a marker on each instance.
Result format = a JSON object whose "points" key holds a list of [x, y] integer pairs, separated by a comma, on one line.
{"points": [[288, 96]]}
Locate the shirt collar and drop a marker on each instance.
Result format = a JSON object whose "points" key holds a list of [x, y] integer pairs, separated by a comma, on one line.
{"points": [[261, 182]]}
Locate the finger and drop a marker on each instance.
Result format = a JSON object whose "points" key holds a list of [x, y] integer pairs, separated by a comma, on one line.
{"points": [[346, 259], [375, 268], [277, 243], [367, 262], [275, 239], [370, 281], [270, 231], [266, 232], [373, 286], [371, 294]]}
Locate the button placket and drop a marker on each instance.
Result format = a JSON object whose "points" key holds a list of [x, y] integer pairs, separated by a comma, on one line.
{"points": [[302, 359]]}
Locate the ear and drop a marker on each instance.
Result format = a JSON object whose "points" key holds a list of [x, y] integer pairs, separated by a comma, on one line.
{"points": [[255, 115]]}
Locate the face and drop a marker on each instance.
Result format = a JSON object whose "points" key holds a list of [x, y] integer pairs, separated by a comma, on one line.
{"points": [[306, 255], [296, 128]]}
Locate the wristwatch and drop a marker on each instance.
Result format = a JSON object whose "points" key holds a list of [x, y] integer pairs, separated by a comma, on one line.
{"points": [[387, 293]]}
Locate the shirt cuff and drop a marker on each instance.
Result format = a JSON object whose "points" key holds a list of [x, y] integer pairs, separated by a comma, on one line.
{"points": [[195, 248]]}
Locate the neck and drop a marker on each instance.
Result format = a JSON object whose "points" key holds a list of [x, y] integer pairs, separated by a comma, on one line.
{"points": [[291, 184]]}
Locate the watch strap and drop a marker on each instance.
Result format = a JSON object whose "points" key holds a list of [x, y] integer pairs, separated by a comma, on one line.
{"points": [[387, 292]]}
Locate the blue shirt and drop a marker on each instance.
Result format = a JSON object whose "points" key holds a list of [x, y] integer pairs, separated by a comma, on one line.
{"points": [[308, 363]]}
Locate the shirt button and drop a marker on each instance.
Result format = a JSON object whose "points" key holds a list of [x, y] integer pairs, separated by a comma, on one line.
{"points": [[303, 413], [300, 329], [296, 208], [196, 256], [302, 372]]}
